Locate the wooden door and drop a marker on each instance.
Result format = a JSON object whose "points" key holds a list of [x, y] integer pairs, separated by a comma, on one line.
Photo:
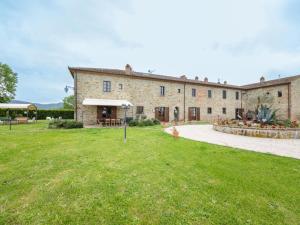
{"points": [[166, 115], [198, 114], [162, 114]]}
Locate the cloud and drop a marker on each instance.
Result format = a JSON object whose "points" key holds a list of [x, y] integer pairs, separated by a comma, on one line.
{"points": [[232, 40]]}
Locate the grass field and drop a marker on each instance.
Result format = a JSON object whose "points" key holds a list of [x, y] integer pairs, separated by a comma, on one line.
{"points": [[88, 176]]}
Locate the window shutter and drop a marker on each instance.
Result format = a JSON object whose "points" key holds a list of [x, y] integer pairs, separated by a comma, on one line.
{"points": [[189, 113], [156, 113], [198, 114], [166, 114]]}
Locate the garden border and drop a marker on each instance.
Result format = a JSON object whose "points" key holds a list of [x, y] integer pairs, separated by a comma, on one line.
{"points": [[286, 133]]}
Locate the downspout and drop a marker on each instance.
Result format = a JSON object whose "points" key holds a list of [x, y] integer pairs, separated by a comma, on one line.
{"points": [[184, 102], [75, 94], [289, 100]]}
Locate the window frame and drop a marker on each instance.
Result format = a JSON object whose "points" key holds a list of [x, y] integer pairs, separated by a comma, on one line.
{"points": [[224, 110], [224, 94], [138, 111], [237, 95], [106, 86], [194, 92], [120, 86], [209, 110], [162, 90], [209, 93]]}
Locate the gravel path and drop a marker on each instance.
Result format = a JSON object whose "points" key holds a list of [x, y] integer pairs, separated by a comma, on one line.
{"points": [[205, 133]]}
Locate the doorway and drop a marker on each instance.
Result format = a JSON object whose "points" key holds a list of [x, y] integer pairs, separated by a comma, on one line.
{"points": [[162, 114], [106, 112], [176, 114]]}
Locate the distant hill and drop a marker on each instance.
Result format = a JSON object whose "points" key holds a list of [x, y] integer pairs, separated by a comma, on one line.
{"points": [[58, 105]]}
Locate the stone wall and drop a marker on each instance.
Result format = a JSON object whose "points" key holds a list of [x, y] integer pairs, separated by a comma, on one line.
{"points": [[259, 132], [295, 99], [146, 93], [280, 103]]}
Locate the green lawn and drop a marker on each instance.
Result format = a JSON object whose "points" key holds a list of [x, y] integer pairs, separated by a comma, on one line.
{"points": [[88, 176]]}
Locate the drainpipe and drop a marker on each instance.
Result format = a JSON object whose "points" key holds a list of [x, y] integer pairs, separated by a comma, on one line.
{"points": [[184, 102], [75, 94], [289, 100]]}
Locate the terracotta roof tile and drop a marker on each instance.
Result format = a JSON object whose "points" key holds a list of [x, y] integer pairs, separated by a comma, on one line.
{"points": [[181, 80]]}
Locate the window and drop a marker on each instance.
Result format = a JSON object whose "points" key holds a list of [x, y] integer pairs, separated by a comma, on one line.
{"points": [[194, 92], [224, 94], [162, 90], [279, 94], [209, 93], [121, 86], [140, 110], [178, 91], [209, 110], [224, 110], [106, 86], [237, 95]]}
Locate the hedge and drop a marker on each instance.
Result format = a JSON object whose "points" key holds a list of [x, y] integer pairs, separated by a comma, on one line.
{"points": [[65, 124], [41, 113]]}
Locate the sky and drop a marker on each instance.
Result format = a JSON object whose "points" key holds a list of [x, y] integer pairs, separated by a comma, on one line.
{"points": [[234, 40]]}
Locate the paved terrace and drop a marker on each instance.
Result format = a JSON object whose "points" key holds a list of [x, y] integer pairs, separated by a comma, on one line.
{"points": [[205, 133]]}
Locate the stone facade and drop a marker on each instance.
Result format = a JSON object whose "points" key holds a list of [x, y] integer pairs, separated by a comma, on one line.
{"points": [[144, 90]]}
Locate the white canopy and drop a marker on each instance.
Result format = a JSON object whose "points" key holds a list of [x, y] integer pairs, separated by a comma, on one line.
{"points": [[105, 102], [17, 106]]}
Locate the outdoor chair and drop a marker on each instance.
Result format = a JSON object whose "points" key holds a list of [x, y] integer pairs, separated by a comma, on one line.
{"points": [[118, 122], [107, 122], [113, 122]]}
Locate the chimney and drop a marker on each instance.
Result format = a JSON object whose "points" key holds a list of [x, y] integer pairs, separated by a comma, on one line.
{"points": [[225, 82], [219, 81], [183, 77], [128, 69], [196, 78], [262, 79], [206, 79]]}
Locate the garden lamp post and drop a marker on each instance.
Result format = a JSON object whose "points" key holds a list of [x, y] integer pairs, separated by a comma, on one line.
{"points": [[125, 107]]}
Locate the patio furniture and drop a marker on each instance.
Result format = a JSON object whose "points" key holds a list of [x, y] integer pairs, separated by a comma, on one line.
{"points": [[118, 122], [107, 122], [22, 120], [113, 122]]}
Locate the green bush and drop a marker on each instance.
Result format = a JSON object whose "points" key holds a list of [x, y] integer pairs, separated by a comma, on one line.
{"points": [[143, 123], [133, 123], [156, 121], [64, 124]]}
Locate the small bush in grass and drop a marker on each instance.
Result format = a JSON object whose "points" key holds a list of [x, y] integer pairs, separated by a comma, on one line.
{"points": [[64, 124], [133, 123], [143, 123]]}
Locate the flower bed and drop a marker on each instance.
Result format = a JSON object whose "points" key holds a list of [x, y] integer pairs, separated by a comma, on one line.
{"points": [[279, 133]]}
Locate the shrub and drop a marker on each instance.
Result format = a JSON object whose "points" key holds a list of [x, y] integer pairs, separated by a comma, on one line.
{"points": [[133, 123], [64, 124], [156, 121], [143, 123]]}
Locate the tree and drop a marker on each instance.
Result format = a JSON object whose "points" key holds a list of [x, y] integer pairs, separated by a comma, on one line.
{"points": [[69, 102], [8, 83]]}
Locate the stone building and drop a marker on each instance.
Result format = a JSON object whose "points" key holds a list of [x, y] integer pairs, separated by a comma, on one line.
{"points": [[100, 94]]}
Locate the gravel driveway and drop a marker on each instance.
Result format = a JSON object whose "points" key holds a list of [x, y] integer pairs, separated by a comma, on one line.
{"points": [[205, 133]]}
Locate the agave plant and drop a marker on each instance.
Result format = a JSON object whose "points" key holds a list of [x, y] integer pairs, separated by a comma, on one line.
{"points": [[266, 115]]}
